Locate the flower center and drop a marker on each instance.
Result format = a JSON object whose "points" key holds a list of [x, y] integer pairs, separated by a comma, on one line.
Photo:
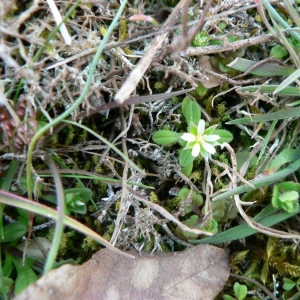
{"points": [[200, 138]]}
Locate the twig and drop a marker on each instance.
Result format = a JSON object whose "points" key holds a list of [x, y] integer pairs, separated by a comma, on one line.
{"points": [[196, 51], [165, 213]]}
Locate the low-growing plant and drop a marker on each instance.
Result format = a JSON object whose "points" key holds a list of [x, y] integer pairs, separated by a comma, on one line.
{"points": [[75, 200], [286, 196], [198, 140], [240, 292]]}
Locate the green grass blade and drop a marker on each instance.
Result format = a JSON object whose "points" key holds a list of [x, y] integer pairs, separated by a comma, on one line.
{"points": [[287, 91], [287, 81], [260, 182], [242, 231], [266, 141], [40, 209], [58, 231], [278, 115], [267, 69]]}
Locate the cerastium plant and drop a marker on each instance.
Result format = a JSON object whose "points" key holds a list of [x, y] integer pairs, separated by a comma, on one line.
{"points": [[198, 140]]}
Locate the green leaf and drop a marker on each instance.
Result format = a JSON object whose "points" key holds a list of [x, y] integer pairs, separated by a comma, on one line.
{"points": [[184, 104], [24, 216], [285, 83], [212, 226], [5, 286], [285, 156], [286, 91], [187, 170], [288, 284], [226, 136], [290, 206], [13, 232], [227, 297], [278, 115], [240, 291], [184, 193], [7, 267], [201, 90], [79, 209], [289, 196], [267, 69], [197, 199], [166, 137], [289, 186], [192, 113], [242, 156], [82, 194], [267, 217], [25, 276], [278, 51], [192, 221], [185, 157], [275, 197]]}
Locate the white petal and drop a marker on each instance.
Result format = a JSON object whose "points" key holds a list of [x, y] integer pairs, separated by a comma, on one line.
{"points": [[209, 148], [196, 150], [211, 138], [201, 127], [188, 137]]}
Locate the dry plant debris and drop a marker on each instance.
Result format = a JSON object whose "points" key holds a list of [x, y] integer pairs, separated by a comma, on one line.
{"points": [[158, 53]]}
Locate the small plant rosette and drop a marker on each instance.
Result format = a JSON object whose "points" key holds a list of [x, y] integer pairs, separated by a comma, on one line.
{"points": [[198, 140]]}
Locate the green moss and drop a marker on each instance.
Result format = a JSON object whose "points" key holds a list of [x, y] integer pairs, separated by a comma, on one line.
{"points": [[90, 244], [98, 225], [171, 204], [148, 246], [117, 205], [70, 134], [176, 100], [223, 158], [208, 104], [83, 137], [153, 197], [54, 139], [251, 173], [87, 165], [99, 169], [221, 108], [159, 86], [196, 176]]}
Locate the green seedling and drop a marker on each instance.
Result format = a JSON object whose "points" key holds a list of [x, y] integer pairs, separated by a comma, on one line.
{"points": [[278, 51], [201, 39], [198, 140], [240, 292], [197, 200], [75, 200], [195, 222], [222, 211], [286, 196], [289, 284]]}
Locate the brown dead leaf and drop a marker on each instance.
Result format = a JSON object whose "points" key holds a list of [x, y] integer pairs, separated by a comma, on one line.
{"points": [[212, 81], [197, 273]]}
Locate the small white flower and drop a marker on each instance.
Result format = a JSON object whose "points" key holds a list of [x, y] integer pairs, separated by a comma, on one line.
{"points": [[200, 140]]}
